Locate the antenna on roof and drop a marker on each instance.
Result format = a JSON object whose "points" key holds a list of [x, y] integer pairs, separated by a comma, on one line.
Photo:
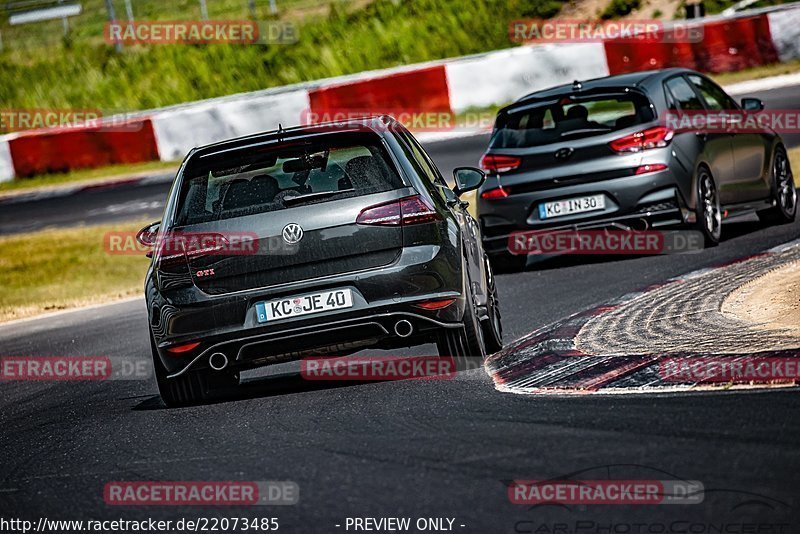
{"points": [[280, 132], [576, 85]]}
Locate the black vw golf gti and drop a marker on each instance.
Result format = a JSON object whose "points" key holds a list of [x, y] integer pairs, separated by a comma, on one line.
{"points": [[317, 240]]}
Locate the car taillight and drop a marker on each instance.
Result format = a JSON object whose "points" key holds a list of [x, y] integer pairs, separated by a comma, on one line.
{"points": [[493, 194], [653, 167], [408, 210], [435, 304], [180, 349], [499, 163], [656, 137]]}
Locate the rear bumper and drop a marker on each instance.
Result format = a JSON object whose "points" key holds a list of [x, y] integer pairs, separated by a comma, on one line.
{"points": [[632, 202], [333, 337], [381, 298]]}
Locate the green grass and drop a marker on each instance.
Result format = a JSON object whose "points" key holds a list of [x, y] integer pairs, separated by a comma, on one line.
{"points": [[794, 161], [348, 38], [59, 269], [89, 175], [717, 6], [727, 78]]}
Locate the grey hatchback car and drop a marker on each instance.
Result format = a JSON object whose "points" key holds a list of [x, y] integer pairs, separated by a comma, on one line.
{"points": [[318, 240], [600, 154]]}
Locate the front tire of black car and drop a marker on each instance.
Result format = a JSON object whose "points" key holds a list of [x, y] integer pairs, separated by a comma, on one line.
{"points": [[707, 209], [465, 345], [784, 193]]}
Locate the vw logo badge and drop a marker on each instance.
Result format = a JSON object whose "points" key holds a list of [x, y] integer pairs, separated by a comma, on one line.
{"points": [[292, 233]]}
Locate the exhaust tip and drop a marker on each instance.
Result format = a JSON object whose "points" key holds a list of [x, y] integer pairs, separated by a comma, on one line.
{"points": [[403, 328], [218, 361]]}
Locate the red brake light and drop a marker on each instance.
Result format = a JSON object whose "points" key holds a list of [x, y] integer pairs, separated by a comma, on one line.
{"points": [[499, 163], [493, 194], [655, 167], [381, 215], [656, 137], [179, 349], [408, 210], [435, 304]]}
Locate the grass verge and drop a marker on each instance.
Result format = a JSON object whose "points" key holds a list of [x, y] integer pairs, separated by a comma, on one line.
{"points": [[755, 73], [65, 268]]}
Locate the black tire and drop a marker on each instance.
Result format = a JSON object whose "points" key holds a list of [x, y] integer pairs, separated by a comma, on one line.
{"points": [[492, 326], [192, 387], [505, 262], [784, 193], [464, 344], [707, 209]]}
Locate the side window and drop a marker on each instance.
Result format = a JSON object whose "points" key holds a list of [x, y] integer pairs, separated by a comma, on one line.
{"points": [[715, 97], [423, 164], [682, 94]]}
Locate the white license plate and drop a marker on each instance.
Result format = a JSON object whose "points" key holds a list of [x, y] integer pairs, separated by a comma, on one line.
{"points": [[558, 208], [272, 310]]}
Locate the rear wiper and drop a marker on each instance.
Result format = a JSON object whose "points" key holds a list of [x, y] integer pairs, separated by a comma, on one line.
{"points": [[299, 199]]}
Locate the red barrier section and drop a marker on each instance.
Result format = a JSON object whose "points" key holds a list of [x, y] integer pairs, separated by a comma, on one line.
{"points": [[727, 45], [75, 148], [420, 90]]}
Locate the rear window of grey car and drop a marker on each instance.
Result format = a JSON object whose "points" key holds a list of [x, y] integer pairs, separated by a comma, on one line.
{"points": [[273, 177], [570, 117]]}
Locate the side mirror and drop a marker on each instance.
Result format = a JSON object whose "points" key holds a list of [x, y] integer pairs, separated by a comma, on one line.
{"points": [[467, 179], [148, 236], [752, 104]]}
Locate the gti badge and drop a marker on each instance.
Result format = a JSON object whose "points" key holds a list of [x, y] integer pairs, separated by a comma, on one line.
{"points": [[564, 153], [292, 233]]}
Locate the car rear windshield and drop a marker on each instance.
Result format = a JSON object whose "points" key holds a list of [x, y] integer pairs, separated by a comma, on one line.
{"points": [[273, 177], [570, 117]]}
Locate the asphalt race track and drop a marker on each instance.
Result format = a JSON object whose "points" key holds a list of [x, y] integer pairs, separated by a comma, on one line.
{"points": [[433, 448]]}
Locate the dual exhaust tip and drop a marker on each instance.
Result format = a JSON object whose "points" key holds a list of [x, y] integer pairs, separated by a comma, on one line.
{"points": [[218, 361]]}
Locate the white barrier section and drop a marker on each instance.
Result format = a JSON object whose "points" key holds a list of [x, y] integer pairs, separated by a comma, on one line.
{"points": [[6, 164], [504, 76], [178, 131], [784, 26]]}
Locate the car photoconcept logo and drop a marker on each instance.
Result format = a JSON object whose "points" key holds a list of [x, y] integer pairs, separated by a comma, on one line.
{"points": [[292, 233]]}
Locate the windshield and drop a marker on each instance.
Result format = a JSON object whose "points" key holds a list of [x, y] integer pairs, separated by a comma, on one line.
{"points": [[262, 179], [570, 117]]}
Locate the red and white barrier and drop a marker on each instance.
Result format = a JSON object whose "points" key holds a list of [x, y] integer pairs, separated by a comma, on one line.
{"points": [[180, 129], [6, 163], [455, 85], [500, 77]]}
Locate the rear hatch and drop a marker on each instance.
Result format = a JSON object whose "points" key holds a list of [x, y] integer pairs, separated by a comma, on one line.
{"points": [[569, 138], [285, 212]]}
